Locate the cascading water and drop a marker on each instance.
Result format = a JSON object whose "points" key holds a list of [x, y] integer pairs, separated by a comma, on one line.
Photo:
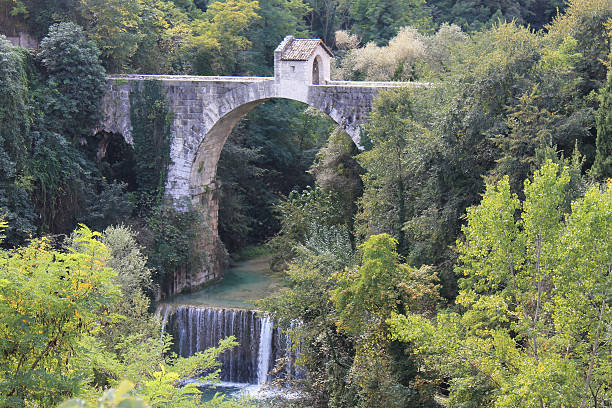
{"points": [[195, 329], [265, 350]]}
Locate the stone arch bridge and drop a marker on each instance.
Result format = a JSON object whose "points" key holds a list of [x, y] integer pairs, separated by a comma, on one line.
{"points": [[206, 109]]}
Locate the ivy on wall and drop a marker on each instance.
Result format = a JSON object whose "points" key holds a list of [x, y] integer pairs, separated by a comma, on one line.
{"points": [[175, 235], [151, 120]]}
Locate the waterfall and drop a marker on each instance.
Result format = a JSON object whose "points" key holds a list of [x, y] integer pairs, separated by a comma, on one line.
{"points": [[195, 329], [265, 350]]}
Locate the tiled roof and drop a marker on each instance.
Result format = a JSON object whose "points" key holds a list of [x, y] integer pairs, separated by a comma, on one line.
{"points": [[302, 49]]}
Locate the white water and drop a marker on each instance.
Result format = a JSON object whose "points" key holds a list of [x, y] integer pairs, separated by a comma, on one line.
{"points": [[260, 345], [265, 350]]}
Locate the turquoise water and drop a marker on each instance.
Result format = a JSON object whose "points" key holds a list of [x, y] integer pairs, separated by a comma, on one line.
{"points": [[242, 284]]}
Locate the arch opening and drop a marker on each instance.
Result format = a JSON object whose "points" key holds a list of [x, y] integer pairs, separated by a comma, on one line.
{"points": [[204, 184]]}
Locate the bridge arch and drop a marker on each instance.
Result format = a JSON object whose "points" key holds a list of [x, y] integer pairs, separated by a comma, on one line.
{"points": [[203, 172], [233, 107]]}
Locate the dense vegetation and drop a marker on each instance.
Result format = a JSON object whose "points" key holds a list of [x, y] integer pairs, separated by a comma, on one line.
{"points": [[462, 258]]}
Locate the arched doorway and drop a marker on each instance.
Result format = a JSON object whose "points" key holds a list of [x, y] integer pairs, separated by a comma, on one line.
{"points": [[316, 71]]}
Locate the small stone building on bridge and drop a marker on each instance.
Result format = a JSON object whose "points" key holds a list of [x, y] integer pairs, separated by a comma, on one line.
{"points": [[299, 62]]}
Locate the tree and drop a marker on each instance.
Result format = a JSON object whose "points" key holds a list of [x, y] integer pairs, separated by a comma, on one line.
{"points": [[278, 18], [378, 21], [602, 168], [393, 62], [325, 352], [299, 214], [336, 169], [402, 180], [365, 298], [50, 301], [530, 323], [410, 55], [477, 15], [239, 176], [115, 27], [530, 132], [221, 34], [280, 140], [75, 78], [583, 301], [324, 18], [129, 346], [586, 21], [68, 109], [160, 382], [15, 179]]}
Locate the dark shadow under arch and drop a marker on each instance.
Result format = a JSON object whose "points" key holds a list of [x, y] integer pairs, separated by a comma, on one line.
{"points": [[204, 168]]}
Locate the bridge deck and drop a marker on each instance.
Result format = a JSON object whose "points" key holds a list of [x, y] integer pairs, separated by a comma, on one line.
{"points": [[191, 78], [375, 84], [202, 78]]}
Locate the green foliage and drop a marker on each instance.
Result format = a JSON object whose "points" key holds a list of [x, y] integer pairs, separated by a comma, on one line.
{"points": [[265, 158], [127, 260], [337, 170], [509, 100], [529, 332], [506, 99], [3, 226], [176, 237], [36, 16], [116, 29], [602, 168], [299, 214], [221, 34], [344, 345], [75, 78], [160, 381], [129, 347], [586, 21], [111, 398], [151, 122], [135, 35], [367, 296], [380, 20], [50, 300], [530, 131], [409, 186], [324, 18], [70, 109], [241, 191], [479, 14], [60, 99], [278, 18], [325, 352], [15, 180], [110, 206]]}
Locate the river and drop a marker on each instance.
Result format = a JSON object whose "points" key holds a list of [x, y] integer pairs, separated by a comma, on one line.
{"points": [[200, 319]]}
